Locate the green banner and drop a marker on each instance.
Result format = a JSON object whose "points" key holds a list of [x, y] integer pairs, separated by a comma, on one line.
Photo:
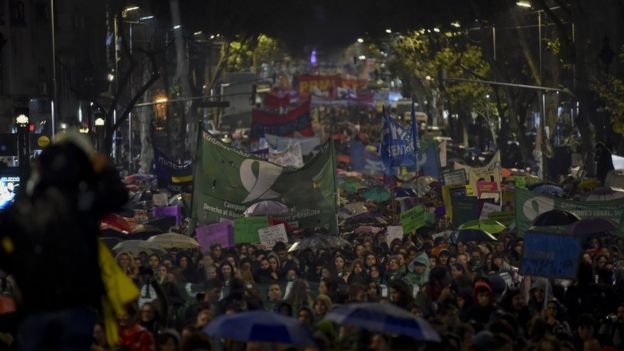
{"points": [[246, 229], [465, 208], [228, 180], [529, 204], [413, 219]]}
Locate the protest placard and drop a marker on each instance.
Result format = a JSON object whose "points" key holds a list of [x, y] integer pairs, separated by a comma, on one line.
{"points": [[520, 182], [269, 236], [487, 209], [217, 233], [448, 192], [486, 187], [160, 200], [412, 219], [394, 232], [550, 255], [169, 211], [465, 208], [246, 229], [455, 177]]}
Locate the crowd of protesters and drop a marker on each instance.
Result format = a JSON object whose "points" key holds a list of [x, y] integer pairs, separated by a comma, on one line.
{"points": [[471, 292]]}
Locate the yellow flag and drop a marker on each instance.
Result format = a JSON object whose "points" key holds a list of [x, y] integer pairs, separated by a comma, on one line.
{"points": [[120, 291]]}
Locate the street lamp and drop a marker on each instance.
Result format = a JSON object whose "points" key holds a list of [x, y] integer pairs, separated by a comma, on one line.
{"points": [[524, 4], [23, 144], [22, 120], [99, 133], [360, 40], [388, 30], [124, 12]]}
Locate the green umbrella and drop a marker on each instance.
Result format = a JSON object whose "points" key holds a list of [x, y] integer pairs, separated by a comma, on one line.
{"points": [[376, 194], [350, 187], [489, 225]]}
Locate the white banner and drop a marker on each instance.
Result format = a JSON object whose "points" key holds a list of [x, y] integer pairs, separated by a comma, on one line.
{"points": [[290, 157], [280, 143]]}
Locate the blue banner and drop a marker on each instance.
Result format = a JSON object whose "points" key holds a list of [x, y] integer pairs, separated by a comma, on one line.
{"points": [[176, 176], [550, 255]]}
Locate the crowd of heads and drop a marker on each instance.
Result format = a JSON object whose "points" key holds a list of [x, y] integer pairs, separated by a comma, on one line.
{"points": [[470, 292]]}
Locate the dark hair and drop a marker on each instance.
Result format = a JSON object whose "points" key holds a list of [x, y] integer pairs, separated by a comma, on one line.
{"points": [[279, 246], [284, 305]]}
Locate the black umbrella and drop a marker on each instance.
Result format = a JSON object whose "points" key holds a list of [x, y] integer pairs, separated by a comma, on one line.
{"points": [[467, 235], [319, 241], [163, 223], [591, 226], [555, 218]]}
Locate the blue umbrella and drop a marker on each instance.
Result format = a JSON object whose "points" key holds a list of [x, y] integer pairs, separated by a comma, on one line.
{"points": [[262, 326], [548, 189], [404, 192], [385, 318]]}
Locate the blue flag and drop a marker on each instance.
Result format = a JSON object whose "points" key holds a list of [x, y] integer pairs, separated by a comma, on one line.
{"points": [[397, 148], [365, 161], [429, 161]]}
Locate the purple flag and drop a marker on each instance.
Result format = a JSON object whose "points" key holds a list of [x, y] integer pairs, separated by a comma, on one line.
{"points": [[218, 233], [171, 211]]}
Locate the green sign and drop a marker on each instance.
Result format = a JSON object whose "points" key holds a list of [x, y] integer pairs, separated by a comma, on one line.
{"points": [[529, 204], [227, 181], [465, 208], [520, 182], [413, 219], [505, 217], [246, 229]]}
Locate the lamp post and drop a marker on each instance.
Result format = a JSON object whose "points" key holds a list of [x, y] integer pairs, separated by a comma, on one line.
{"points": [[99, 133], [55, 102], [23, 145]]}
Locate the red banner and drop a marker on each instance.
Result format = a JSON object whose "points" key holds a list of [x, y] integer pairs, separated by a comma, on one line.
{"points": [[276, 100], [295, 121]]}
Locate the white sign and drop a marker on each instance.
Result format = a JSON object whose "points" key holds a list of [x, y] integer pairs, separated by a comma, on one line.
{"points": [[160, 200], [489, 208], [394, 232], [269, 236]]}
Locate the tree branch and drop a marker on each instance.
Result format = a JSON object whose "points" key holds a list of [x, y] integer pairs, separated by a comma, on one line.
{"points": [[154, 77]]}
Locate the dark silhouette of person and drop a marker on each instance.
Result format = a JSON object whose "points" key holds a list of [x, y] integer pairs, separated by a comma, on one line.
{"points": [[49, 244]]}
